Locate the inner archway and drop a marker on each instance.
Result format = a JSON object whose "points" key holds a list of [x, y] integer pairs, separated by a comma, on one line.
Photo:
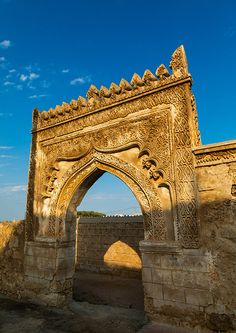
{"points": [[108, 262]]}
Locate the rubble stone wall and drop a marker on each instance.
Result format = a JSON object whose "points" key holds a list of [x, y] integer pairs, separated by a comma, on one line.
{"points": [[12, 258]]}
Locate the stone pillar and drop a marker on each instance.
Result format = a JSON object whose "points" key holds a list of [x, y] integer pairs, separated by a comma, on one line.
{"points": [[49, 269], [176, 283]]}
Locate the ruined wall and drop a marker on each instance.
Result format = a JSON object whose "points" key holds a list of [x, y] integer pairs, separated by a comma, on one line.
{"points": [[216, 174], [110, 244], [197, 287], [11, 258]]}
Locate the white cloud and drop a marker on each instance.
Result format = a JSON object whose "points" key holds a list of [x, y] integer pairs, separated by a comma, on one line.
{"points": [[6, 147], [2, 59], [30, 77], [8, 83], [80, 80], [33, 76], [14, 188], [23, 77], [66, 70], [76, 81], [5, 44], [37, 96], [6, 156]]}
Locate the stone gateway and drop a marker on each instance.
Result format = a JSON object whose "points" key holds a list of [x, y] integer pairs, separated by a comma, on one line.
{"points": [[146, 133]]}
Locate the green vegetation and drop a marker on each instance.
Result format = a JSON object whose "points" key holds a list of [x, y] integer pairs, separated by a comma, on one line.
{"points": [[89, 213]]}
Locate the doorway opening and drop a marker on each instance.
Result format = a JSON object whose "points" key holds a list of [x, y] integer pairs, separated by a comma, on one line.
{"points": [[108, 261]]}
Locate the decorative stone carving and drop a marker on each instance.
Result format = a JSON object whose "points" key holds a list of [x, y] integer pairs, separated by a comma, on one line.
{"points": [[215, 154], [162, 72], [142, 115], [105, 97], [148, 77], [104, 92], [179, 63], [93, 92], [125, 86], [137, 81], [233, 190]]}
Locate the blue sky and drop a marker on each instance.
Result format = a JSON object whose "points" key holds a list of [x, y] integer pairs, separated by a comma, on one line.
{"points": [[52, 50]]}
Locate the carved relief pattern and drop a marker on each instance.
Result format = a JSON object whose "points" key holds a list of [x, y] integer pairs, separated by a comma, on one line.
{"points": [[216, 157], [140, 133], [197, 138], [29, 232], [155, 130], [185, 179], [165, 136], [103, 97], [144, 192]]}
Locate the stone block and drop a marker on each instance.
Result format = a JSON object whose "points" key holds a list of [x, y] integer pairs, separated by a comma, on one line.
{"points": [[46, 263], [48, 274], [177, 307], [157, 291], [160, 275], [150, 260], [30, 260], [194, 263], [147, 274], [190, 279], [36, 283], [198, 297], [33, 271], [65, 252], [148, 289], [172, 262], [173, 294], [45, 250]]}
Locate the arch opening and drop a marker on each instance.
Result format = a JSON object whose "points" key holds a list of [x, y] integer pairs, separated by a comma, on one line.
{"points": [[107, 257]]}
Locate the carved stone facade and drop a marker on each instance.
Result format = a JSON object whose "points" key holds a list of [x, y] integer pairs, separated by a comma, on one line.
{"points": [[142, 132], [146, 133]]}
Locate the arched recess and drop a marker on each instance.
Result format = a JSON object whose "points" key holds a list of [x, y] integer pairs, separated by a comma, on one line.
{"points": [[82, 175]]}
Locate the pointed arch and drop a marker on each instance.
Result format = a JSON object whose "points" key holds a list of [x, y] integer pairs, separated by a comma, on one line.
{"points": [[80, 177]]}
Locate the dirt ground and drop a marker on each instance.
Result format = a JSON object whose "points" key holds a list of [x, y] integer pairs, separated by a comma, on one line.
{"points": [[79, 317]]}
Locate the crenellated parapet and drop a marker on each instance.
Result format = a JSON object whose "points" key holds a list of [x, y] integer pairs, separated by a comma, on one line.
{"points": [[101, 98]]}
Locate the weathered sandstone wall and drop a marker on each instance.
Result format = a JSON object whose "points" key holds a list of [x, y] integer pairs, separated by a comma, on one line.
{"points": [[197, 287], [110, 245], [11, 258], [216, 174]]}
